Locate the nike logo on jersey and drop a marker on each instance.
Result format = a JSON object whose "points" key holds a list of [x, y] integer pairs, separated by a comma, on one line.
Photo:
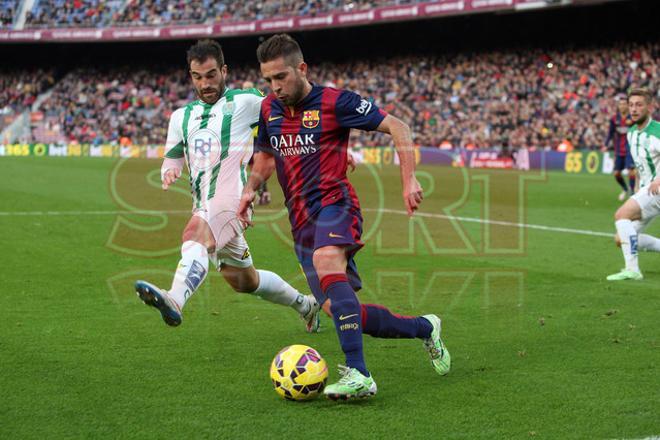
{"points": [[333, 235], [342, 317], [274, 118]]}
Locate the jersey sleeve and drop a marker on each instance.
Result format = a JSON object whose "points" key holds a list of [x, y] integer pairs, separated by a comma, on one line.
{"points": [[174, 155], [175, 141], [254, 98], [261, 142], [353, 111]]}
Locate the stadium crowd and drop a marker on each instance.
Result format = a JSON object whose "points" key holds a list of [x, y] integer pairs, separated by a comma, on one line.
{"points": [[520, 99], [72, 13], [7, 11], [97, 13], [19, 89]]}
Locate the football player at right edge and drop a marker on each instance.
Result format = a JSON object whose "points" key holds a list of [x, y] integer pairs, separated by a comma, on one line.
{"points": [[640, 209]]}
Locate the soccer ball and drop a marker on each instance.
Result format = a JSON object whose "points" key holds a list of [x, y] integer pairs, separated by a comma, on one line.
{"points": [[298, 372]]}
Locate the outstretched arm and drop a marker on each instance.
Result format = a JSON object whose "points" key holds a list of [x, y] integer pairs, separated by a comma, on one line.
{"points": [[402, 137], [262, 168]]}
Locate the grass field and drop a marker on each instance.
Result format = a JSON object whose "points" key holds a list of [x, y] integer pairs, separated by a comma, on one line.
{"points": [[542, 346]]}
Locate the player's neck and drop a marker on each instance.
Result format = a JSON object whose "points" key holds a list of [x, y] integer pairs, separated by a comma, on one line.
{"points": [[643, 124], [307, 89]]}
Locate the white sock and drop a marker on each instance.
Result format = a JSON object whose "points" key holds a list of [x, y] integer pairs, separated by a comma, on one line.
{"points": [[649, 243], [629, 241], [274, 289], [191, 271]]}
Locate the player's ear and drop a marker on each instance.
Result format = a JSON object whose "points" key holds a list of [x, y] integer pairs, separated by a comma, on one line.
{"points": [[302, 68]]}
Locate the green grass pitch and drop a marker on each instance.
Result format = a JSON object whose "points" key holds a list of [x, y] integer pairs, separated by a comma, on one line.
{"points": [[542, 346]]}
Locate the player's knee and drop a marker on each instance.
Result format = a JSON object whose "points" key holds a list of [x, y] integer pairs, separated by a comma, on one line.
{"points": [[327, 260], [620, 214]]}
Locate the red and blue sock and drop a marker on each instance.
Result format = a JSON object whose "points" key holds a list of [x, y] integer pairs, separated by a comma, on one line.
{"points": [[379, 322], [346, 313]]}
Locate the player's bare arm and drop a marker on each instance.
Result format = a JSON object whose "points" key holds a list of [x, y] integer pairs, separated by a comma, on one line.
{"points": [[262, 168], [402, 137]]}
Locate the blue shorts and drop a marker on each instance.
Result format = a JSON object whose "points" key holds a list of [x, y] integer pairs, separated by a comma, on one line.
{"points": [[624, 162], [333, 225]]}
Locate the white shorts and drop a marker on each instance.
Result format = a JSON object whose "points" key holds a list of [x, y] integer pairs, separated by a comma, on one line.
{"points": [[231, 247], [649, 204]]}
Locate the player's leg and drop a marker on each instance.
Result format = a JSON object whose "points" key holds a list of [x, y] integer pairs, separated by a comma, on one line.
{"points": [[235, 265], [645, 242], [330, 265], [197, 240], [624, 217], [378, 321], [619, 165]]}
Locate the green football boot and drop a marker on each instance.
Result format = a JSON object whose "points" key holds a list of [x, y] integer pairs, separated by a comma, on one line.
{"points": [[351, 385], [439, 354], [626, 275]]}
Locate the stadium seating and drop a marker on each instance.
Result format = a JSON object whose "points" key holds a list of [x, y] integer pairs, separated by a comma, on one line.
{"points": [[540, 100], [19, 89], [206, 11], [7, 11], [76, 13], [98, 13]]}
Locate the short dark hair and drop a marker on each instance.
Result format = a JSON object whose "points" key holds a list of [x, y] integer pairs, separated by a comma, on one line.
{"points": [[280, 45], [205, 49], [640, 91]]}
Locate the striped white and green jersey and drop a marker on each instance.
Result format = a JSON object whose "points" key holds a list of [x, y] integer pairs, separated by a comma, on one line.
{"points": [[645, 150], [216, 141]]}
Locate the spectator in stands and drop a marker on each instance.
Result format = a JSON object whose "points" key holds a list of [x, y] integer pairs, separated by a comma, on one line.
{"points": [[539, 100]]}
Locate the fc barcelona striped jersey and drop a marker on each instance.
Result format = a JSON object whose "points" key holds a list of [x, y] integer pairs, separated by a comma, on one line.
{"points": [[618, 131], [309, 143], [216, 141]]}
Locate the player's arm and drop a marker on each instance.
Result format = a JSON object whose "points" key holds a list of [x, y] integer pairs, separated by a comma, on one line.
{"points": [[355, 112], [174, 159], [263, 166], [402, 137], [610, 133]]}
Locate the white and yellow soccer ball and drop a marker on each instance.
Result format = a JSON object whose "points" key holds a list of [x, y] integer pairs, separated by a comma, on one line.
{"points": [[298, 372]]}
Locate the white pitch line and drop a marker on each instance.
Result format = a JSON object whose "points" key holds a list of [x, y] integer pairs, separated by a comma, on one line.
{"points": [[272, 211], [496, 222]]}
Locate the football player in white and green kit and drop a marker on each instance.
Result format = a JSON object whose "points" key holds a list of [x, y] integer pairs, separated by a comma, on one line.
{"points": [[640, 209], [213, 136]]}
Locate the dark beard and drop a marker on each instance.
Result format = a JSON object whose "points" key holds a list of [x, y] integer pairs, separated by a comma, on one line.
{"points": [[219, 92]]}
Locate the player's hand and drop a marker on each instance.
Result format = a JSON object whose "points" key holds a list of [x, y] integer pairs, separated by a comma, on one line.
{"points": [[170, 177], [412, 195], [245, 207], [351, 162], [654, 187]]}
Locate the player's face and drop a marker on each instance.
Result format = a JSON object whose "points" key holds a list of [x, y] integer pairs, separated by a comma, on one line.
{"points": [[286, 81], [208, 79], [640, 109], [623, 106]]}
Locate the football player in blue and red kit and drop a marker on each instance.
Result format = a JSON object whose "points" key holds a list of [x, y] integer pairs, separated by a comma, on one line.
{"points": [[303, 134], [619, 125]]}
